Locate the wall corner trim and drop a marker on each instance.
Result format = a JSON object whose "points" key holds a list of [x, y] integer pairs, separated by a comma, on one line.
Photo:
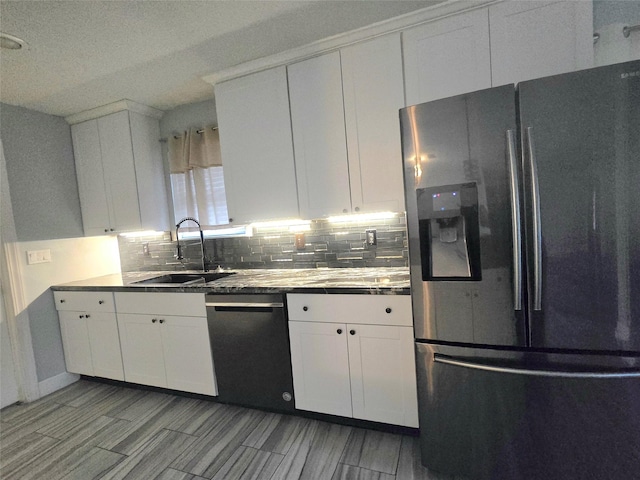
{"points": [[57, 382]]}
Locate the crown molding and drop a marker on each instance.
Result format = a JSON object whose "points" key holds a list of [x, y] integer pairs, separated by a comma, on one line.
{"points": [[113, 108], [425, 15]]}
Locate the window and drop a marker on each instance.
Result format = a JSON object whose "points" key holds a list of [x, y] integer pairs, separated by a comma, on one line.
{"points": [[200, 193], [197, 181]]}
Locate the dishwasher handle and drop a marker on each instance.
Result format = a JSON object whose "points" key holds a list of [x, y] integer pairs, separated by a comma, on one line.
{"points": [[245, 304]]}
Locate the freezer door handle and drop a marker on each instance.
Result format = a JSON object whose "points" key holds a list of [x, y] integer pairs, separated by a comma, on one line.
{"points": [[537, 229], [444, 359], [515, 220]]}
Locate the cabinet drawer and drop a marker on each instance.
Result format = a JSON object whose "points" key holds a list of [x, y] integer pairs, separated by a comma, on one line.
{"points": [[364, 309], [84, 301], [184, 304]]}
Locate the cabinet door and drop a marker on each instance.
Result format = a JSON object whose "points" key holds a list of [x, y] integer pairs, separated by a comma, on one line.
{"points": [[91, 184], [150, 181], [256, 145], [142, 354], [320, 365], [187, 354], [536, 39], [373, 94], [447, 57], [383, 374], [319, 139], [75, 342], [119, 171], [105, 345]]}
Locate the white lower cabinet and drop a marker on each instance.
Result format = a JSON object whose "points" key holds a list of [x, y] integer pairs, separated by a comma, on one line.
{"points": [[75, 341], [161, 347], [320, 363], [382, 368], [90, 333], [360, 368]]}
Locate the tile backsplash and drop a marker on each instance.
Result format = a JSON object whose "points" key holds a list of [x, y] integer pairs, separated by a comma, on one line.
{"points": [[325, 245]]}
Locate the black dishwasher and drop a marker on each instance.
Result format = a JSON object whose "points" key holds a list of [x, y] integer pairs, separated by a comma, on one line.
{"points": [[250, 346]]}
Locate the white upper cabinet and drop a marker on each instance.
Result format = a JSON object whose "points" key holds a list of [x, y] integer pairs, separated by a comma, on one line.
{"points": [[319, 139], [91, 186], [257, 148], [344, 115], [120, 173], [447, 57], [373, 94], [537, 39]]}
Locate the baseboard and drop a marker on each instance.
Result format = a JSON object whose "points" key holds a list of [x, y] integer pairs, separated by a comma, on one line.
{"points": [[57, 382]]}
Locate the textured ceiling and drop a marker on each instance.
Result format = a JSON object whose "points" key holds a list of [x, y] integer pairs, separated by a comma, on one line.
{"points": [[83, 54]]}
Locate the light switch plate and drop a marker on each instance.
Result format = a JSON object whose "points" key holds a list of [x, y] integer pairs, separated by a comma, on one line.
{"points": [[38, 256]]}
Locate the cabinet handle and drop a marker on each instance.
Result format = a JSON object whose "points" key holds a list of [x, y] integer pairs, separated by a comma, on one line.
{"points": [[230, 220], [111, 229], [80, 316], [352, 332], [100, 302], [87, 316], [106, 230], [62, 300], [154, 320], [305, 308], [357, 209], [161, 320], [388, 310], [339, 331]]}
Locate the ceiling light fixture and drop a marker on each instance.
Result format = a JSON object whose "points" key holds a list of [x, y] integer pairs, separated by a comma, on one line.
{"points": [[10, 42]]}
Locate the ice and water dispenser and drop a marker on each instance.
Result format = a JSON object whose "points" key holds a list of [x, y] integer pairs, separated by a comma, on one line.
{"points": [[449, 232]]}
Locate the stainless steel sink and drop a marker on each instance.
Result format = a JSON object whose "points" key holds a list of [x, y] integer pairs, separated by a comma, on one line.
{"points": [[185, 278]]}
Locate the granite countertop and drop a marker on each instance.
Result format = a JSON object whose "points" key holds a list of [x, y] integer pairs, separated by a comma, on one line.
{"points": [[386, 280]]}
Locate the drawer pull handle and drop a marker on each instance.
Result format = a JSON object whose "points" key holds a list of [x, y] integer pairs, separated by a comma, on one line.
{"points": [[100, 302], [388, 310], [87, 316], [161, 320], [339, 331], [305, 308], [352, 332], [154, 320], [62, 300], [80, 316]]}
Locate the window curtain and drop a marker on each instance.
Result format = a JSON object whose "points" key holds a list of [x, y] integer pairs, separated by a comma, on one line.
{"points": [[197, 180]]}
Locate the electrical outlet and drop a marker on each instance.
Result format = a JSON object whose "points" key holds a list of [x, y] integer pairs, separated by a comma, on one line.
{"points": [[371, 238], [38, 256]]}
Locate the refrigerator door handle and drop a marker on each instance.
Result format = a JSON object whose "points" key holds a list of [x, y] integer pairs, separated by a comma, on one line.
{"points": [[537, 228], [515, 220], [439, 358]]}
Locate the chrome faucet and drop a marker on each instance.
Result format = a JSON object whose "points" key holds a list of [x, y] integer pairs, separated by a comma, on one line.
{"points": [[178, 254]]}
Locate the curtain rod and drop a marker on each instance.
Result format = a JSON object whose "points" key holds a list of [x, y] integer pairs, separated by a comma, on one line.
{"points": [[200, 131]]}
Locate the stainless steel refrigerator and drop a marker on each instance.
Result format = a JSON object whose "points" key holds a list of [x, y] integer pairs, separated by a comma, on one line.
{"points": [[523, 214]]}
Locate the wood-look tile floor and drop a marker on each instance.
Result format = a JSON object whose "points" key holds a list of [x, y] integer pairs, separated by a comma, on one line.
{"points": [[91, 430]]}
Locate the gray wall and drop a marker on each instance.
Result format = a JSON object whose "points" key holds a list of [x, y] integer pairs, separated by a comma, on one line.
{"points": [[41, 173], [44, 197], [606, 12], [199, 114]]}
